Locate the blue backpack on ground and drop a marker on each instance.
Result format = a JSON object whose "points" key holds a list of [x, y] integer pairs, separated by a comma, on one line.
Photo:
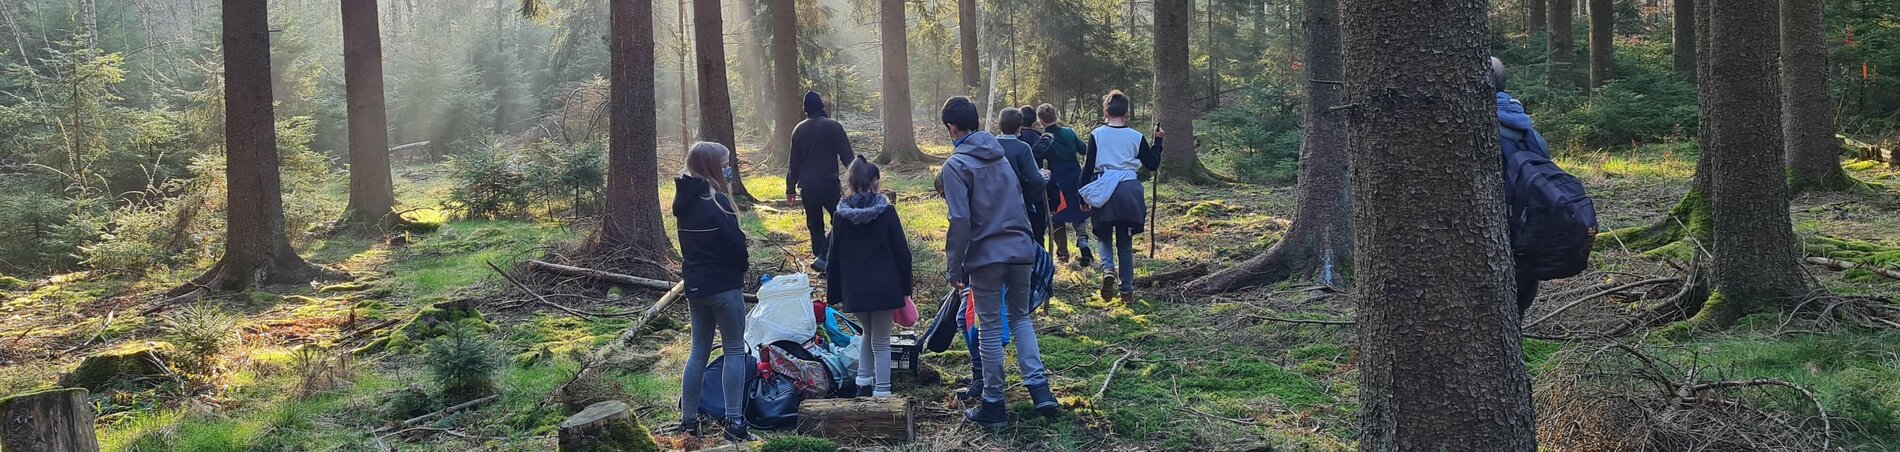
{"points": [[1553, 223]]}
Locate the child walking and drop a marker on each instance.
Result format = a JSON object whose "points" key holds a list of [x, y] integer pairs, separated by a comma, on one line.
{"points": [[713, 266], [870, 270], [1061, 158], [1114, 194]]}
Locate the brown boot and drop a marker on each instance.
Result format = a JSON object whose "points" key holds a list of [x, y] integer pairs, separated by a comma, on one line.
{"points": [[1128, 298]]}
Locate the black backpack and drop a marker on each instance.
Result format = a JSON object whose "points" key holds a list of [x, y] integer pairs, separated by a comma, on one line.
{"points": [[1553, 222]]}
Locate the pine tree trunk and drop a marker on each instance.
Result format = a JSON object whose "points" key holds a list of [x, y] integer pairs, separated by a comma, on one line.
{"points": [[786, 96], [1174, 110], [53, 420], [753, 69], [1538, 24], [256, 249], [1602, 42], [371, 195], [1685, 37], [632, 226], [900, 135], [966, 34], [1755, 249], [89, 21], [1319, 244], [1814, 154], [1561, 57], [715, 96], [1442, 364]]}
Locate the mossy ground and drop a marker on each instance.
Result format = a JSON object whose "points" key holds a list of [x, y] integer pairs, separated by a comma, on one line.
{"points": [[1199, 373]]}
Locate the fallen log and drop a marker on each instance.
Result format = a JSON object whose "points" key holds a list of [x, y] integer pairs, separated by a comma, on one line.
{"points": [[883, 421], [1838, 264], [618, 279], [56, 420], [464, 406]]}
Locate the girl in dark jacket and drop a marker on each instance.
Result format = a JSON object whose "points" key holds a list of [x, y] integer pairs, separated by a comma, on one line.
{"points": [[870, 271], [713, 266]]}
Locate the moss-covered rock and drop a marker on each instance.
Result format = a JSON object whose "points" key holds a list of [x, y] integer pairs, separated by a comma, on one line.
{"points": [[435, 321], [12, 283], [125, 362]]}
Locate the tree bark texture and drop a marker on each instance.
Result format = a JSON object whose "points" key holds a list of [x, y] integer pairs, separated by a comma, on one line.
{"points": [[632, 226], [1813, 152], [900, 135], [1173, 100], [89, 22], [1319, 243], [966, 35], [256, 249], [1539, 20], [715, 95], [874, 421], [1755, 250], [786, 97], [753, 69], [1684, 37], [1442, 364], [1602, 42], [371, 195], [1562, 56], [55, 420]]}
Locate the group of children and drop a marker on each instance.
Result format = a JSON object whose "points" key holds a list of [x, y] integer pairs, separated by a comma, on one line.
{"points": [[1002, 196]]}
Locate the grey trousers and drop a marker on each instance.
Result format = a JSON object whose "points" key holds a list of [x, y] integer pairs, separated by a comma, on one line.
{"points": [[996, 287], [874, 355], [726, 312]]}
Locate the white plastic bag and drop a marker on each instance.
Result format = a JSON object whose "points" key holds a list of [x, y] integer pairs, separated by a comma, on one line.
{"points": [[783, 313]]}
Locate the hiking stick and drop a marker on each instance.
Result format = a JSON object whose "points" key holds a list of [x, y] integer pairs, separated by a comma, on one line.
{"points": [[1154, 203]]}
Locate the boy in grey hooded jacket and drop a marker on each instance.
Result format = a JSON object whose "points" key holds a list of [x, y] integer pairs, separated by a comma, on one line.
{"points": [[989, 250]]}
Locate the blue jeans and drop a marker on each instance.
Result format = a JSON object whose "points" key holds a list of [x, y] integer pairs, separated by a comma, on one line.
{"points": [[1118, 241], [726, 312], [994, 287]]}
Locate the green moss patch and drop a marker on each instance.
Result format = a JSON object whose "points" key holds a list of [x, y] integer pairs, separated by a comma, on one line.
{"points": [[125, 362]]}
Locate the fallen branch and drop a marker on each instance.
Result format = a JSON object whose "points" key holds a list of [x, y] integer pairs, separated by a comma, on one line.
{"points": [[1173, 276], [611, 277], [464, 406], [361, 332], [1837, 264], [1301, 321], [1111, 372], [544, 300], [95, 336], [1604, 293]]}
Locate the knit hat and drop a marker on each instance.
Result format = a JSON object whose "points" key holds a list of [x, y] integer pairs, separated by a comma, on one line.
{"points": [[814, 105]]}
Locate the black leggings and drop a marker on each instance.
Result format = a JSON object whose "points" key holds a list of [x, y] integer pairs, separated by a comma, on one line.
{"points": [[819, 202], [1526, 294]]}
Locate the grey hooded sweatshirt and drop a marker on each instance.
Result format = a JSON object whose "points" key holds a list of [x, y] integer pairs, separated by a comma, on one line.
{"points": [[988, 224]]}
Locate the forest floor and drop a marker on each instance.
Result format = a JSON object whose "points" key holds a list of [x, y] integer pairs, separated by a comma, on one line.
{"points": [[1188, 373]]}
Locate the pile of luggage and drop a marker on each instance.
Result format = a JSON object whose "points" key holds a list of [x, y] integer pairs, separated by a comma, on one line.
{"points": [[801, 349]]}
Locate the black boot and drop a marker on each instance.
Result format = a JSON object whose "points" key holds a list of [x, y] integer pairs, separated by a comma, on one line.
{"points": [[1088, 257], [735, 432], [690, 428], [990, 415], [1045, 401], [864, 391]]}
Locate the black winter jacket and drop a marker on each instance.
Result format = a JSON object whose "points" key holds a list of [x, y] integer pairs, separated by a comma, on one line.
{"points": [[869, 266], [819, 149], [712, 246]]}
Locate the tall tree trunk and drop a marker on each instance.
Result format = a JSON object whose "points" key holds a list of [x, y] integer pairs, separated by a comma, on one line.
{"points": [[1814, 154], [1561, 56], [966, 34], [1755, 248], [686, 127], [786, 97], [89, 22], [1173, 99], [503, 75], [715, 97], [256, 249], [1686, 226], [1538, 23], [1602, 42], [1442, 364], [632, 227], [1319, 244], [1684, 37], [752, 70], [371, 197], [900, 136]]}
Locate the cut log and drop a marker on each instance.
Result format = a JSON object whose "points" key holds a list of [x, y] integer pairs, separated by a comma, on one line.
{"points": [[618, 279], [864, 419], [605, 426], [1838, 264], [55, 420]]}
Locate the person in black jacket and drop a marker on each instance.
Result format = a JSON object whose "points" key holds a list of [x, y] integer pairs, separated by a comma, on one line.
{"points": [[870, 271], [713, 267], [817, 142]]}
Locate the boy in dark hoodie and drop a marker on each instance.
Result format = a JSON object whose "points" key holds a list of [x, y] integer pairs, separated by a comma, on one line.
{"points": [[819, 149], [989, 250], [1022, 160]]}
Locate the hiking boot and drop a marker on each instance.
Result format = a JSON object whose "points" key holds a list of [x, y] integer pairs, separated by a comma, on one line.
{"points": [[1128, 298], [735, 432], [990, 415], [1045, 401], [1088, 257], [1109, 287]]}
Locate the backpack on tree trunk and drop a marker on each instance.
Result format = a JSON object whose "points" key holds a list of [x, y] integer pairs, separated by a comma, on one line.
{"points": [[1553, 223]]}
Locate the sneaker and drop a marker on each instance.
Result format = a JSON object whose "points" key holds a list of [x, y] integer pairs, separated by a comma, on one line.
{"points": [[863, 391], [1128, 298], [818, 266], [1088, 257], [690, 428], [735, 432], [1108, 286], [991, 415], [1045, 401]]}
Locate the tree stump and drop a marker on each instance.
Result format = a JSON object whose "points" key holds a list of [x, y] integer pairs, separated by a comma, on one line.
{"points": [[864, 419], [55, 420], [605, 426]]}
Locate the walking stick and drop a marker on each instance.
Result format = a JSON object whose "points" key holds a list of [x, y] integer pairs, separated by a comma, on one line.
{"points": [[1154, 202]]}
